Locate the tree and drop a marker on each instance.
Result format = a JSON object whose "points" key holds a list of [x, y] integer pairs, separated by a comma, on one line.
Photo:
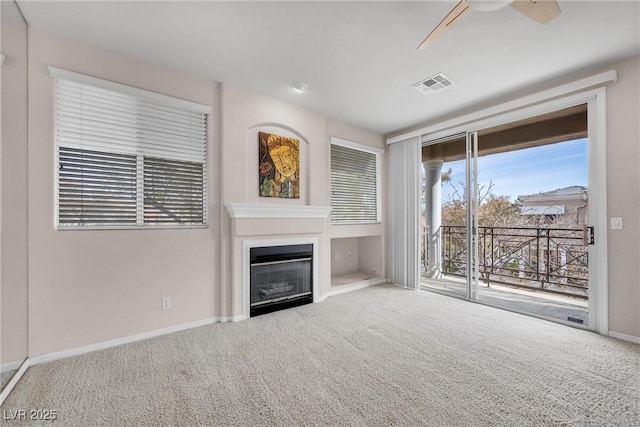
{"points": [[498, 211], [446, 176], [493, 210]]}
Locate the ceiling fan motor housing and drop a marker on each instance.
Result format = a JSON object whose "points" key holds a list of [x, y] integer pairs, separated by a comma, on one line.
{"points": [[487, 5]]}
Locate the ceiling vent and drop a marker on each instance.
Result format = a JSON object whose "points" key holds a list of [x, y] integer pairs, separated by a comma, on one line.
{"points": [[433, 84]]}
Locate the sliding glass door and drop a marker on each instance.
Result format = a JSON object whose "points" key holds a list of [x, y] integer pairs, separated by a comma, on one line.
{"points": [[444, 215], [450, 260], [505, 216]]}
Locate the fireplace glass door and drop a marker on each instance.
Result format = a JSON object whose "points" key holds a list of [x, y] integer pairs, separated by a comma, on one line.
{"points": [[280, 279]]}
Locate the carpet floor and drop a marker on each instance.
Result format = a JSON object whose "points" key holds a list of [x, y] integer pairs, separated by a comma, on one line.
{"points": [[374, 357]]}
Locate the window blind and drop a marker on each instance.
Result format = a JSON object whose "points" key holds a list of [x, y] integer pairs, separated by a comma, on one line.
{"points": [[354, 185], [96, 187], [173, 191], [126, 161]]}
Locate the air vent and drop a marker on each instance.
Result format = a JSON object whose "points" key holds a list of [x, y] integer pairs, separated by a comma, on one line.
{"points": [[433, 84]]}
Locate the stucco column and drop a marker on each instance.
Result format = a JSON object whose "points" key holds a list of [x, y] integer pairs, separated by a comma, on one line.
{"points": [[433, 215]]}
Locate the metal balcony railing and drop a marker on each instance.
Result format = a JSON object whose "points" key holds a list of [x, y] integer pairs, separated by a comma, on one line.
{"points": [[546, 259]]}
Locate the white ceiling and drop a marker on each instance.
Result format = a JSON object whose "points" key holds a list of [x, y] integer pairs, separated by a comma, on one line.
{"points": [[359, 58]]}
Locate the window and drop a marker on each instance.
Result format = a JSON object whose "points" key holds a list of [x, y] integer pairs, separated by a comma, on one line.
{"points": [[355, 183], [126, 157]]}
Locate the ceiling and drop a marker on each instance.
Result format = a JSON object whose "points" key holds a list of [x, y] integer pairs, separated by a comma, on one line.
{"points": [[358, 58]]}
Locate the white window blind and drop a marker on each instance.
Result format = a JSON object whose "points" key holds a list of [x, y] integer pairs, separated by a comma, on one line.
{"points": [[355, 185], [127, 157]]}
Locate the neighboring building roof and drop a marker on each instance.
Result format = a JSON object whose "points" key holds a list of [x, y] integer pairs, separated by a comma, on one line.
{"points": [[543, 210], [566, 194], [556, 202]]}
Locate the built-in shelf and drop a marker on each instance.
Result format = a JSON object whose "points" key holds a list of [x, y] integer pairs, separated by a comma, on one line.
{"points": [[356, 262], [352, 278], [352, 281]]}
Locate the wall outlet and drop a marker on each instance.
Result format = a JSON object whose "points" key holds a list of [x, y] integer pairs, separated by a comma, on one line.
{"points": [[166, 303], [348, 254], [338, 255]]}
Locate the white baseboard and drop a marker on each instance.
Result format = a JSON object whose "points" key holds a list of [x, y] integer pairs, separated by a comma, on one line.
{"points": [[624, 337], [356, 286], [118, 341], [238, 318], [319, 298], [14, 380], [10, 366]]}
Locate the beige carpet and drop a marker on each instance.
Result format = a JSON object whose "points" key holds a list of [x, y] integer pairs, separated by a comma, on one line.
{"points": [[379, 356]]}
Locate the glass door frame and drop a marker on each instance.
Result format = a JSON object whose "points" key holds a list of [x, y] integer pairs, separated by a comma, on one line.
{"points": [[471, 195], [595, 99]]}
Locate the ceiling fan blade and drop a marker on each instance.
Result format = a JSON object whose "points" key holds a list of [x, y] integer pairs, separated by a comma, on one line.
{"points": [[454, 16], [542, 11]]}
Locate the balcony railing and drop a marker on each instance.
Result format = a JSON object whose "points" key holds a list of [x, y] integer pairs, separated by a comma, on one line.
{"points": [[546, 259]]}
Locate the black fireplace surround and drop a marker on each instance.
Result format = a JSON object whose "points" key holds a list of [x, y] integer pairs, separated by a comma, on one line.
{"points": [[281, 277]]}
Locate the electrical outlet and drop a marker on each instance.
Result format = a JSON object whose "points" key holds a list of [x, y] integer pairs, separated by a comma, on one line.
{"points": [[338, 255], [348, 254], [166, 303]]}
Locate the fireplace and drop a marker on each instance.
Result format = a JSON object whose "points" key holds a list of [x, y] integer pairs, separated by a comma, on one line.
{"points": [[281, 277]]}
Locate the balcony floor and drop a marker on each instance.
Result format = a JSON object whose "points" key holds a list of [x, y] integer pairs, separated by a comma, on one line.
{"points": [[537, 303]]}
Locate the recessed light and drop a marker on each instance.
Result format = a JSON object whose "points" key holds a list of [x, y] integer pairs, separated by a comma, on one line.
{"points": [[299, 87]]}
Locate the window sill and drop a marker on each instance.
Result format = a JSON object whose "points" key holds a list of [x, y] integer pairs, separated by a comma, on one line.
{"points": [[131, 227]]}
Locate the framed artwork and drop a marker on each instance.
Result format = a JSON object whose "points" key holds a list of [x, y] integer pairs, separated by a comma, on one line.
{"points": [[279, 166]]}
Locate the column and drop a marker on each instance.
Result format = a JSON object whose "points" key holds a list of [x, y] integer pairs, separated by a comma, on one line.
{"points": [[433, 216]]}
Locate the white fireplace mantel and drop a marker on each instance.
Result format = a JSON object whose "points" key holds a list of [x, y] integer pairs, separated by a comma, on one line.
{"points": [[261, 224], [254, 210]]}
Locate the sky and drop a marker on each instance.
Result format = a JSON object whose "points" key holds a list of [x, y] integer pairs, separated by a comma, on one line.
{"points": [[528, 171]]}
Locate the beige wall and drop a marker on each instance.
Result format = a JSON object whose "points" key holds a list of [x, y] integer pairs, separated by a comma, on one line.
{"points": [[13, 191], [244, 115], [623, 192], [338, 129], [372, 255], [345, 256], [90, 286]]}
